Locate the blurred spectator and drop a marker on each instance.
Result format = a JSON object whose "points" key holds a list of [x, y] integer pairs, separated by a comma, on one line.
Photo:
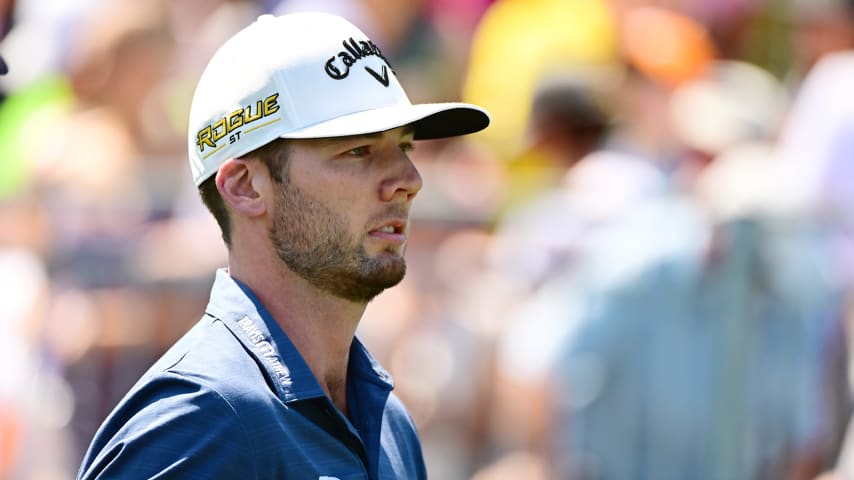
{"points": [[568, 118], [738, 102], [683, 342], [571, 116], [518, 42], [816, 145], [675, 365]]}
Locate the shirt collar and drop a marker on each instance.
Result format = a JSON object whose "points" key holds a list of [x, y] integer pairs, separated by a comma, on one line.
{"points": [[239, 309]]}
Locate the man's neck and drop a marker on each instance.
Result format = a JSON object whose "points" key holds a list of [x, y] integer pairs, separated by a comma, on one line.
{"points": [[321, 326]]}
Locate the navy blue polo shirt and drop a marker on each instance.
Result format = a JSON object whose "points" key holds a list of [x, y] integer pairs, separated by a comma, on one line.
{"points": [[233, 399]]}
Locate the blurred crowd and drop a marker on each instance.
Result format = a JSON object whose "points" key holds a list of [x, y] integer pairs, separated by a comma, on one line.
{"points": [[642, 270]]}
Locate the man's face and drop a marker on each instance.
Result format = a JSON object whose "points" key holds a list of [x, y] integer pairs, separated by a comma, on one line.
{"points": [[340, 218]]}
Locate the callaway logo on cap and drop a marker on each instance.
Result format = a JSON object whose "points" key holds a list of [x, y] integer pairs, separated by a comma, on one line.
{"points": [[305, 75]]}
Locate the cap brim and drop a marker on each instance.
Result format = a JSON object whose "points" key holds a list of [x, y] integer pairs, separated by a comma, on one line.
{"points": [[430, 120]]}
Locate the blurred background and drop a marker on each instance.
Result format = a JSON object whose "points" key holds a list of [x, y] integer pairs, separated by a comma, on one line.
{"points": [[641, 270]]}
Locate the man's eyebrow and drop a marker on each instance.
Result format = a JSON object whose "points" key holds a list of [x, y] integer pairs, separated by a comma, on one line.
{"points": [[333, 140], [408, 130]]}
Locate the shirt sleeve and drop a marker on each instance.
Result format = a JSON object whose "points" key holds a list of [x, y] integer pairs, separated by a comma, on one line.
{"points": [[401, 453], [173, 427]]}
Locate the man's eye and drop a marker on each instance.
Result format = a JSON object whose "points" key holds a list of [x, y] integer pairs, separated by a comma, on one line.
{"points": [[359, 151]]}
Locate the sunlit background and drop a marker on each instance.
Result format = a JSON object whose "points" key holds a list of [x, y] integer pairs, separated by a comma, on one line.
{"points": [[641, 270]]}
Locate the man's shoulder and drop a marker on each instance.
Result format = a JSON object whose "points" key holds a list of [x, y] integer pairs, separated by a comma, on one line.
{"points": [[212, 359], [207, 372], [204, 394], [172, 422]]}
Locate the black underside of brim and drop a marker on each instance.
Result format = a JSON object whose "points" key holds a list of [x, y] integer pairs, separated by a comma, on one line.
{"points": [[450, 123]]}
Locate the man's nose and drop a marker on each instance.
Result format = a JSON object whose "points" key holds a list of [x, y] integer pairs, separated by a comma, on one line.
{"points": [[403, 179]]}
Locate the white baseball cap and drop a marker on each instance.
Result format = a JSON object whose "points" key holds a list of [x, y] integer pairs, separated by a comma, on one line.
{"points": [[305, 75]]}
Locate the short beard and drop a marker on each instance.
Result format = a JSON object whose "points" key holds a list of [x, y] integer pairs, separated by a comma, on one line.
{"points": [[314, 243]]}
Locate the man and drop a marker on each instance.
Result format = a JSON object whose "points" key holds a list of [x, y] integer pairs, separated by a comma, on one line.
{"points": [[299, 132]]}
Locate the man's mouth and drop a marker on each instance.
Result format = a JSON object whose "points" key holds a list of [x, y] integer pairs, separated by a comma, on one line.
{"points": [[391, 229]]}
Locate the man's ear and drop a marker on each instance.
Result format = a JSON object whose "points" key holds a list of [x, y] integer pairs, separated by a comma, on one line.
{"points": [[241, 183]]}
